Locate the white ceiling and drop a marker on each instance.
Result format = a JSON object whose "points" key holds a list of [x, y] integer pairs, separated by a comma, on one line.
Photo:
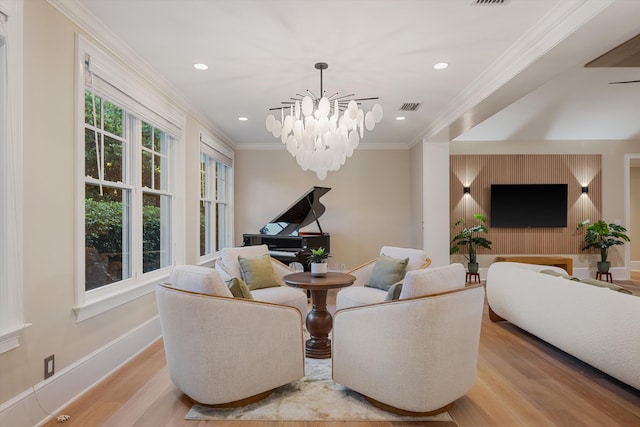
{"points": [[518, 65]]}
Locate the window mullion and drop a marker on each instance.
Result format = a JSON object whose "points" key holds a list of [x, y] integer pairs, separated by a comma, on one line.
{"points": [[135, 170]]}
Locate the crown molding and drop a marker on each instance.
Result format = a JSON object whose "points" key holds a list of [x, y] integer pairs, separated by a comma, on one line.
{"points": [[273, 146], [77, 13], [555, 26]]}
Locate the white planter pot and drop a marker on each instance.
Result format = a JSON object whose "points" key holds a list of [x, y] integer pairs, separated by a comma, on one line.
{"points": [[318, 269]]}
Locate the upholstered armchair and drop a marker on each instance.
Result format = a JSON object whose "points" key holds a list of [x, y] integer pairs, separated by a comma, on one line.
{"points": [[264, 285], [225, 351], [415, 355], [358, 294]]}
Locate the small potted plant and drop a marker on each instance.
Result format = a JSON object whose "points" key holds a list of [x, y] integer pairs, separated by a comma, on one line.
{"points": [[318, 260], [602, 236], [469, 239]]}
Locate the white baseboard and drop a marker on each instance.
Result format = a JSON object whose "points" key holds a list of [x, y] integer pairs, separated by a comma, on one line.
{"points": [[76, 379]]}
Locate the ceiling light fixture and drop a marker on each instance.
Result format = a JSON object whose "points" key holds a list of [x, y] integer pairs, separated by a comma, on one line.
{"points": [[200, 66], [320, 136], [399, 118], [440, 65], [243, 119]]}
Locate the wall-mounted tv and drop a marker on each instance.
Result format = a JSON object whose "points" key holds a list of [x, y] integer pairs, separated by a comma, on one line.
{"points": [[528, 205]]}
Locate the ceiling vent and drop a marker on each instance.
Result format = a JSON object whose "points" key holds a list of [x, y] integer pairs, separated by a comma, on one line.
{"points": [[410, 106], [489, 2]]}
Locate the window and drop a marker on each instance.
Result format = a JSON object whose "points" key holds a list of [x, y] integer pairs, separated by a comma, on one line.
{"points": [[215, 188], [11, 293], [130, 154]]}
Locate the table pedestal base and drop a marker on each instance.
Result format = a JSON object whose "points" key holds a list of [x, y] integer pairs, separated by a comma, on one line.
{"points": [[319, 322]]}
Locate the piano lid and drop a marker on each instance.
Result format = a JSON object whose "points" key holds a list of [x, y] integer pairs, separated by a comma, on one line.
{"points": [[301, 213]]}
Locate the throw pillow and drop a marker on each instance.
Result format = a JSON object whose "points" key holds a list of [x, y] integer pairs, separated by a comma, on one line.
{"points": [[604, 284], [239, 288], [387, 271], [257, 272], [394, 292]]}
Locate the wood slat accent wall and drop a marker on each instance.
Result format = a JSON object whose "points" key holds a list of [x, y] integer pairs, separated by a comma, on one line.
{"points": [[480, 171]]}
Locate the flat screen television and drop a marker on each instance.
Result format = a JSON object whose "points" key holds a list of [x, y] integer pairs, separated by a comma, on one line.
{"points": [[528, 205]]}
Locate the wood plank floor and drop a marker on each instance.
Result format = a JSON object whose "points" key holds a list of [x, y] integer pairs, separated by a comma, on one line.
{"points": [[522, 381]]}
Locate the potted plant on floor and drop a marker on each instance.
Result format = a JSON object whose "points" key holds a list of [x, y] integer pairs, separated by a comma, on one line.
{"points": [[318, 260], [469, 239], [602, 236]]}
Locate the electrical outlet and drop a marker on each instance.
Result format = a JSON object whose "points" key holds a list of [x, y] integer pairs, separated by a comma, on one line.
{"points": [[49, 366]]}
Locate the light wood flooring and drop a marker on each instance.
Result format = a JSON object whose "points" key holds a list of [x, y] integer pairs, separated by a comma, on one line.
{"points": [[522, 381]]}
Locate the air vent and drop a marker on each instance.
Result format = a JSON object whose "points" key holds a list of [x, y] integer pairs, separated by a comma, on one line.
{"points": [[410, 106], [489, 2]]}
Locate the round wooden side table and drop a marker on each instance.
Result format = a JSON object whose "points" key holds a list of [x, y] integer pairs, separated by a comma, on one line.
{"points": [[319, 321]]}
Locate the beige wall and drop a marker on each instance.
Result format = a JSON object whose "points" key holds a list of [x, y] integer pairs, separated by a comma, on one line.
{"points": [[634, 223], [50, 217], [613, 168], [417, 189], [367, 207]]}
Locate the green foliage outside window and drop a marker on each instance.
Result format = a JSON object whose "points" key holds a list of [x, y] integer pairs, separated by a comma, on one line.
{"points": [[104, 246]]}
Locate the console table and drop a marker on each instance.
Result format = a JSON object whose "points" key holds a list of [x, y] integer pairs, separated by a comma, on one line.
{"points": [[556, 261]]}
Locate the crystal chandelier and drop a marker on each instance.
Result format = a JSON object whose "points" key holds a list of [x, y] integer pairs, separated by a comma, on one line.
{"points": [[320, 136]]}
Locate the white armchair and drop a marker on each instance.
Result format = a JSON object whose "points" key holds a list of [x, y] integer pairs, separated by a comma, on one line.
{"points": [[226, 351], [358, 294], [412, 356], [229, 267]]}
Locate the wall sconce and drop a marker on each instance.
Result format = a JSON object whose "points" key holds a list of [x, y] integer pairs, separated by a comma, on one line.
{"points": [[467, 190], [585, 190]]}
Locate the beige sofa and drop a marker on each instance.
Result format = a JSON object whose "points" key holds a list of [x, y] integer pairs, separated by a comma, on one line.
{"points": [[226, 351], [415, 355], [594, 324]]}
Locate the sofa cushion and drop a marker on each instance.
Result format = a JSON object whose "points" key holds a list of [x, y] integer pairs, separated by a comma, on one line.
{"points": [[203, 280], [257, 272], [433, 280], [387, 271], [283, 295], [357, 296], [603, 284], [239, 288]]}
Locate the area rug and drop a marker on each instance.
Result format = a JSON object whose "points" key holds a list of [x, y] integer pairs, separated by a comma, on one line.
{"points": [[315, 397]]}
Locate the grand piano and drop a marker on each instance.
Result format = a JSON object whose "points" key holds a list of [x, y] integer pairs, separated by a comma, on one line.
{"points": [[283, 236]]}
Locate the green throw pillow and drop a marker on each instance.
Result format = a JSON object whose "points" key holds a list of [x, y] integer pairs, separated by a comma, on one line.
{"points": [[239, 288], [257, 272], [394, 292], [564, 276], [604, 284], [551, 272], [387, 271]]}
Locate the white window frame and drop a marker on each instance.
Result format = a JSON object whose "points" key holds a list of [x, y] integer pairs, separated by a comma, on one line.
{"points": [[12, 321], [148, 104], [217, 153]]}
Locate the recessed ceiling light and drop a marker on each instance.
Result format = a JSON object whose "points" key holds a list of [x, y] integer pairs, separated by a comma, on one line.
{"points": [[200, 66], [242, 119], [441, 66], [400, 118]]}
